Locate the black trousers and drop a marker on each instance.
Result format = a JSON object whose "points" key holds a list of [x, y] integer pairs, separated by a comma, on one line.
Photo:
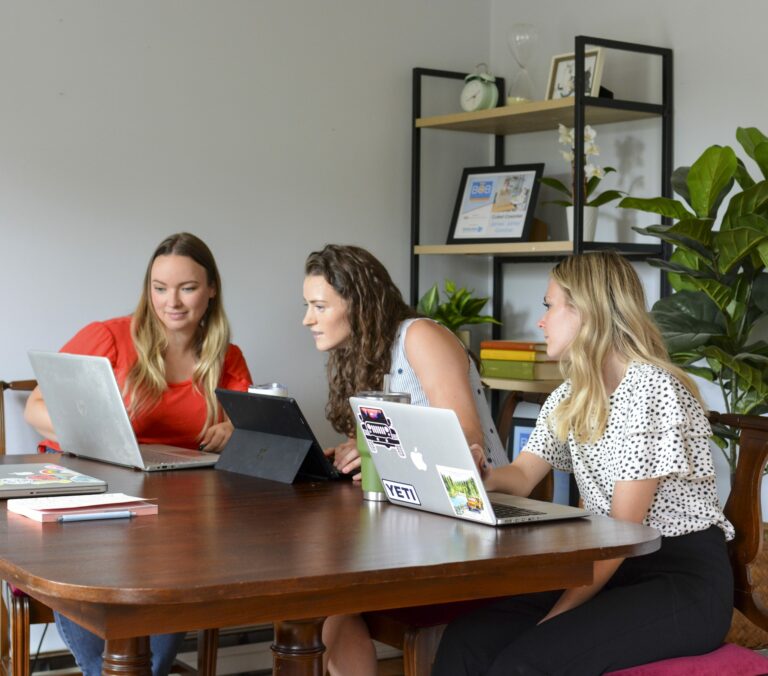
{"points": [[677, 601]]}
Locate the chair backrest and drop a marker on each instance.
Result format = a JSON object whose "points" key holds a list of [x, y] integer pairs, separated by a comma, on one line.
{"points": [[14, 385], [743, 510]]}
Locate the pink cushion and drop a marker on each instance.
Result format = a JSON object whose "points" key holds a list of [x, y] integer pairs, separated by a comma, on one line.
{"points": [[16, 591], [727, 660]]}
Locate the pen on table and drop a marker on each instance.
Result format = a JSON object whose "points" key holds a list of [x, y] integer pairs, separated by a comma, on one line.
{"points": [[121, 514]]}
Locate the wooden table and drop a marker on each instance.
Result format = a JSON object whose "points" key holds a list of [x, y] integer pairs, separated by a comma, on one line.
{"points": [[227, 549]]}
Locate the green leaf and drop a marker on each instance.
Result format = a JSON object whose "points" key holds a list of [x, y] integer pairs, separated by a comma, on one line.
{"points": [[761, 157], [429, 302], [737, 244], [554, 183], [679, 269], [753, 200], [605, 197], [751, 377], [760, 291], [701, 372], [710, 179], [692, 234], [687, 320], [680, 183], [450, 287], [742, 176], [688, 260], [657, 205], [755, 144]]}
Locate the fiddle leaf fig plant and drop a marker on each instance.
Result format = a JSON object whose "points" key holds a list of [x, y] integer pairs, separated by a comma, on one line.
{"points": [[459, 309], [714, 325]]}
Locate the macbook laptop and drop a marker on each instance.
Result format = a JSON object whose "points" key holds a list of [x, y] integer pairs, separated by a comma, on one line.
{"points": [[272, 439], [90, 419], [37, 479], [424, 462]]}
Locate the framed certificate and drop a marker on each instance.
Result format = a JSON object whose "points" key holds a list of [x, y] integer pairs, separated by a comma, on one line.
{"points": [[495, 204]]}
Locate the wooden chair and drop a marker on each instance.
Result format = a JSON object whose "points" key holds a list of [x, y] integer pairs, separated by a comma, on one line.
{"points": [[417, 631], [743, 510], [19, 611]]}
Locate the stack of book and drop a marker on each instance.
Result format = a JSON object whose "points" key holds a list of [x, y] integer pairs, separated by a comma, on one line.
{"points": [[517, 360]]}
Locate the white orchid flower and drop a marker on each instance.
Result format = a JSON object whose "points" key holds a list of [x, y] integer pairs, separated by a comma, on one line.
{"points": [[591, 149], [592, 170], [567, 155], [589, 133], [565, 134]]}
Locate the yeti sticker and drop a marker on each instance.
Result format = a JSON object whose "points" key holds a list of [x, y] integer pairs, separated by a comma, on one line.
{"points": [[378, 430]]}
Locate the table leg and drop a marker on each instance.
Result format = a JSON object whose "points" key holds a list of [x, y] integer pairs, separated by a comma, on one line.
{"points": [[127, 657], [298, 648]]}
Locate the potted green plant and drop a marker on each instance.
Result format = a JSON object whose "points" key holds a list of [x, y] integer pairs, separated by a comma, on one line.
{"points": [[712, 324], [458, 310], [593, 174]]}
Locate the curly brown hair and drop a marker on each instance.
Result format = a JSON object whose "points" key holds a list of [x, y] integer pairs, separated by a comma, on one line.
{"points": [[375, 308]]}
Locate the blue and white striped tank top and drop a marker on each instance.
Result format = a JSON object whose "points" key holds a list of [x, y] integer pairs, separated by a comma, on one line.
{"points": [[404, 379]]}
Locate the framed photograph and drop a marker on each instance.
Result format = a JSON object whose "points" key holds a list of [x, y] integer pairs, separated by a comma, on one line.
{"points": [[495, 204], [562, 74]]}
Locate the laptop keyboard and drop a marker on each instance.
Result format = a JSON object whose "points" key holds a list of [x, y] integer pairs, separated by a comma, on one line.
{"points": [[507, 511]]}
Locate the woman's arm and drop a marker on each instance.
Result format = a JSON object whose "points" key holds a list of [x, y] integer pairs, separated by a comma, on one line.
{"points": [[442, 366], [630, 502], [36, 415], [518, 478]]}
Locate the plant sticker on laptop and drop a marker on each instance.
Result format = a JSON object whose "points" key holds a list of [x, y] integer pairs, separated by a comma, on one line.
{"points": [[462, 492]]}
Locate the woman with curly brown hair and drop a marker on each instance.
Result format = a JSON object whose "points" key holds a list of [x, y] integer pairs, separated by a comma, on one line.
{"points": [[357, 314]]}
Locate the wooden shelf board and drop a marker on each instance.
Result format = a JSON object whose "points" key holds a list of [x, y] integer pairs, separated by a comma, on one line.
{"points": [[527, 117], [513, 248], [544, 386]]}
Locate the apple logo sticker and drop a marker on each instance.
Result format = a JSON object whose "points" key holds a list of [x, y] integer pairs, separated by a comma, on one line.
{"points": [[418, 460]]}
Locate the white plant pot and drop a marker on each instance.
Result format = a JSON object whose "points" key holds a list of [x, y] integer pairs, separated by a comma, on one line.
{"points": [[464, 336], [590, 223]]}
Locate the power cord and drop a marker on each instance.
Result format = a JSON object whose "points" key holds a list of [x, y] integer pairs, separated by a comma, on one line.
{"points": [[39, 648]]}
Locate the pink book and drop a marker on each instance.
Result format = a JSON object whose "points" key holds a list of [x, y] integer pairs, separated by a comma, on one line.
{"points": [[84, 507]]}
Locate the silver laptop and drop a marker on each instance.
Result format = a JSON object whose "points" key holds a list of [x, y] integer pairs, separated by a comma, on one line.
{"points": [[90, 419], [45, 478], [425, 463]]}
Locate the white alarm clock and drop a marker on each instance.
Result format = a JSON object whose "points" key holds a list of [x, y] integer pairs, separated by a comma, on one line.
{"points": [[479, 92]]}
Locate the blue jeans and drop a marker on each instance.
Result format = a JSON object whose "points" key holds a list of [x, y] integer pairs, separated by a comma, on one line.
{"points": [[89, 648]]}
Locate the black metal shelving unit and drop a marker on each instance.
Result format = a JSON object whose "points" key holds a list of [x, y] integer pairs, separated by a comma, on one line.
{"points": [[581, 108]]}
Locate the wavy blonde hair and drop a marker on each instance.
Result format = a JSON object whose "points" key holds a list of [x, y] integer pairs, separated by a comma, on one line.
{"points": [[375, 308], [607, 293], [145, 383]]}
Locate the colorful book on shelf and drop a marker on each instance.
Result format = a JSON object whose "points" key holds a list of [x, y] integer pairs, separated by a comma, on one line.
{"points": [[525, 345], [514, 355], [50, 509], [520, 370]]}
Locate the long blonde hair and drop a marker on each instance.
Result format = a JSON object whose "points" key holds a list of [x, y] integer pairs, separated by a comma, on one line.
{"points": [[145, 383], [375, 308], [607, 293]]}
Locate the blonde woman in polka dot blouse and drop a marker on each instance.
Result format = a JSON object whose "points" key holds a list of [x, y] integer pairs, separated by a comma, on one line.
{"points": [[630, 426]]}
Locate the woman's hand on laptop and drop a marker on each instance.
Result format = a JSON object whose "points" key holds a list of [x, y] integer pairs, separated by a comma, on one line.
{"points": [[346, 457], [216, 437], [478, 455]]}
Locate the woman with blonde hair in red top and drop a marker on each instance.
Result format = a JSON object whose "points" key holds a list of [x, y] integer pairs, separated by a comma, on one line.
{"points": [[168, 357]]}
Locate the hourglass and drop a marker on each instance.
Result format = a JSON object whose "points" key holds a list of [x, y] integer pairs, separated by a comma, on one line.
{"points": [[522, 38]]}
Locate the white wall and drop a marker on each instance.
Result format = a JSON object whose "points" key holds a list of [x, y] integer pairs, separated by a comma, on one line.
{"points": [[267, 127], [718, 56]]}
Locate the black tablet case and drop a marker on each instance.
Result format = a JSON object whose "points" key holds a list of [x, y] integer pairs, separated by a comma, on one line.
{"points": [[272, 439]]}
